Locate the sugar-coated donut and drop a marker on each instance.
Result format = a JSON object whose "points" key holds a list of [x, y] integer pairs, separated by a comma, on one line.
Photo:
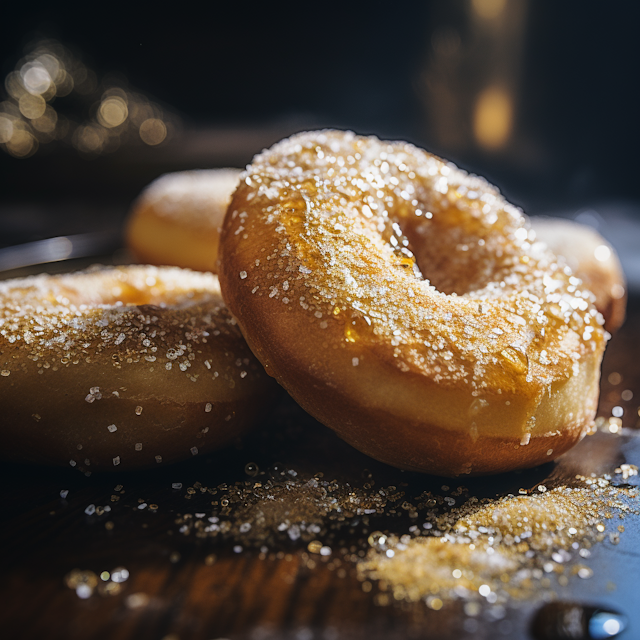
{"points": [[592, 259], [403, 303], [123, 367], [177, 218]]}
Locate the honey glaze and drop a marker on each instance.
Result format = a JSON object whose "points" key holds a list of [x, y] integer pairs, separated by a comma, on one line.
{"points": [[345, 215]]}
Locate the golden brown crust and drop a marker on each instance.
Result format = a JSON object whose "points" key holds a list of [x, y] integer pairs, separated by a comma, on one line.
{"points": [[326, 248], [177, 218], [123, 367]]}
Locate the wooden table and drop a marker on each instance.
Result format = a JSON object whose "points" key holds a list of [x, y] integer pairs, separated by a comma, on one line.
{"points": [[177, 590]]}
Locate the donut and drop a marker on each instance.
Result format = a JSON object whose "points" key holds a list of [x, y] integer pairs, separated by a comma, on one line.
{"points": [[176, 220], [122, 368], [404, 304], [592, 259]]}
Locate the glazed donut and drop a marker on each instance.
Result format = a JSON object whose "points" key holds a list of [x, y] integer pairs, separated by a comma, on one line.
{"points": [[402, 303], [177, 218], [123, 367], [593, 260]]}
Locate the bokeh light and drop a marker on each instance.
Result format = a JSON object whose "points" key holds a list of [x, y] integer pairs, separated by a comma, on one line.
{"points": [[153, 131], [493, 117], [113, 111], [6, 129], [99, 117], [488, 9], [32, 106]]}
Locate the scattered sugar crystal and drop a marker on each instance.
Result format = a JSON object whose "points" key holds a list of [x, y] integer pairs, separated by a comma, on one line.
{"points": [[158, 459], [112, 428], [138, 446], [194, 451], [116, 461], [585, 573], [90, 510], [64, 493], [243, 275], [138, 410], [207, 407]]}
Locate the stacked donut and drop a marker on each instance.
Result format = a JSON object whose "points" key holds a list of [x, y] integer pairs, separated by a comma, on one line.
{"points": [[177, 218]]}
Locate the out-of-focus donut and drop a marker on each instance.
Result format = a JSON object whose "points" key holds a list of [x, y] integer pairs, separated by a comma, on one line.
{"points": [[592, 259], [405, 305], [177, 218], [123, 367]]}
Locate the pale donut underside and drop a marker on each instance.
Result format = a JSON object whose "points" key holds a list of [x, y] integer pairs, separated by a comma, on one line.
{"points": [[406, 305], [177, 218], [123, 367]]}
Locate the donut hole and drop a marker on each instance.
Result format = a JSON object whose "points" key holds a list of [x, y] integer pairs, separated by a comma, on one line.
{"points": [[453, 260]]}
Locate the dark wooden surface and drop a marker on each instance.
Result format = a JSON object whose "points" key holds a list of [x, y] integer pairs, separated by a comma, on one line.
{"points": [[276, 594]]}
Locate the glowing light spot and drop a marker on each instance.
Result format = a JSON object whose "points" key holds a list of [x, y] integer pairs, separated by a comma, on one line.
{"points": [[6, 129], [32, 106], [36, 79], [113, 111], [90, 138], [612, 627], [22, 144], [488, 9], [493, 117], [153, 131], [602, 253], [47, 122]]}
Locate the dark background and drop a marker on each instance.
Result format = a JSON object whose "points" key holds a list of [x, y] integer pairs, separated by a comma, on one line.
{"points": [[240, 76], [258, 71]]}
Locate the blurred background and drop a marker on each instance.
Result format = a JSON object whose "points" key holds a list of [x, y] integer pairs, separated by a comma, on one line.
{"points": [[96, 101]]}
